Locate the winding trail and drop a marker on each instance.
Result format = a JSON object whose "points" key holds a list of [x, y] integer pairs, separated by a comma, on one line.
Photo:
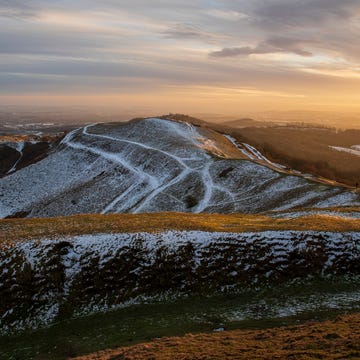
{"points": [[208, 186], [138, 200], [120, 197], [115, 159], [161, 189], [157, 185], [19, 148], [187, 170], [176, 158]]}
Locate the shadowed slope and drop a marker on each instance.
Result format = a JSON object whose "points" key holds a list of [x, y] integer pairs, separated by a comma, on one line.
{"points": [[54, 269]]}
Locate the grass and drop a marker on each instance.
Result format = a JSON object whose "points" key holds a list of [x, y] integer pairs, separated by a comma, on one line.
{"points": [[307, 150], [12, 230], [344, 210], [300, 148], [142, 323], [335, 339], [101, 331]]}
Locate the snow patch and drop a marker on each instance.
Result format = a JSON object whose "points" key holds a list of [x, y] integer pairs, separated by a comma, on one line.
{"points": [[353, 150]]}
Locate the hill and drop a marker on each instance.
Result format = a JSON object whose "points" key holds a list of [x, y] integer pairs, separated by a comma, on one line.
{"points": [[153, 165], [61, 268], [306, 147], [19, 151], [325, 152]]}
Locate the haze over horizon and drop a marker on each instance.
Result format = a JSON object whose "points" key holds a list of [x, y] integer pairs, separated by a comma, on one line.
{"points": [[218, 56]]}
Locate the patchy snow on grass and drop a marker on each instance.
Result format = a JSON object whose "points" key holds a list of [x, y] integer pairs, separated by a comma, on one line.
{"points": [[102, 271], [296, 214], [353, 150], [156, 165]]}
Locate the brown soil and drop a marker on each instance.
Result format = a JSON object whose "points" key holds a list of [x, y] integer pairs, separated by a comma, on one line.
{"points": [[335, 339]]}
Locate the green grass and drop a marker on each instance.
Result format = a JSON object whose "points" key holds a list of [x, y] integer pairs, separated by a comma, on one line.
{"points": [[197, 314]]}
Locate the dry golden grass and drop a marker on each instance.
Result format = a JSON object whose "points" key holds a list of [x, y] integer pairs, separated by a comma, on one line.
{"points": [[218, 145], [336, 339], [345, 210], [12, 230]]}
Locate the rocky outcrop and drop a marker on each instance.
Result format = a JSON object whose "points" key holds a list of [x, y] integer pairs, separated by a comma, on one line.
{"points": [[47, 280]]}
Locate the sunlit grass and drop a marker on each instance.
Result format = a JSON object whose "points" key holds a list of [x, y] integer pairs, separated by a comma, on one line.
{"points": [[333, 339], [12, 230]]}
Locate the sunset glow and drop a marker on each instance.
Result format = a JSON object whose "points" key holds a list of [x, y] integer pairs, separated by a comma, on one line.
{"points": [[186, 56]]}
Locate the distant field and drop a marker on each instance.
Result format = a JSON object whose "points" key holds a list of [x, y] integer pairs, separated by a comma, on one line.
{"points": [[25, 229]]}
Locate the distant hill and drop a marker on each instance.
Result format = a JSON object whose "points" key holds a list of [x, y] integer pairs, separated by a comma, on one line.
{"points": [[246, 122]]}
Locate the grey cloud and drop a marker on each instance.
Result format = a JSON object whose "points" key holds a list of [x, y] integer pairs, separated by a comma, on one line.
{"points": [[148, 79], [52, 42], [171, 71], [283, 44], [303, 12], [184, 31], [17, 9], [234, 51], [158, 9], [273, 45]]}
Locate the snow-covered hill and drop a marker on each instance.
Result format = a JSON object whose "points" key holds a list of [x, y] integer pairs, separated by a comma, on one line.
{"points": [[155, 165], [46, 280]]}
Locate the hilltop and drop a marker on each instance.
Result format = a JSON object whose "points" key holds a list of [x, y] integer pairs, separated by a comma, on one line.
{"points": [[155, 165]]}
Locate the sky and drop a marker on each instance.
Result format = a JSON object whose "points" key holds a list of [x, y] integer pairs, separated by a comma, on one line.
{"points": [[213, 56]]}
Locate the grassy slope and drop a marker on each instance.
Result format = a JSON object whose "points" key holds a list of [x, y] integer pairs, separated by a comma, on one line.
{"points": [[308, 150], [12, 230], [335, 339], [301, 148], [203, 346]]}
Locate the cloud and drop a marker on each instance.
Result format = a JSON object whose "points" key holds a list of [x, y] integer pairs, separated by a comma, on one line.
{"points": [[270, 46], [184, 31], [111, 45], [14, 9], [303, 12], [229, 15], [52, 42]]}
